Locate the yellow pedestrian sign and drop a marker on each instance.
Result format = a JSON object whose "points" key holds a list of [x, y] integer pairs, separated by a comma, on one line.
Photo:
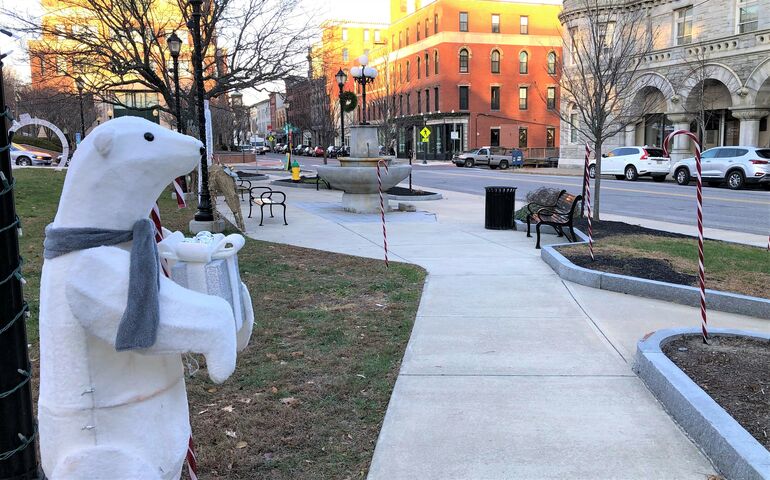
{"points": [[425, 132]]}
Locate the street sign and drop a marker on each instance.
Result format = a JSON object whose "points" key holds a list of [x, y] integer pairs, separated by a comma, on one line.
{"points": [[270, 138], [425, 132], [454, 135]]}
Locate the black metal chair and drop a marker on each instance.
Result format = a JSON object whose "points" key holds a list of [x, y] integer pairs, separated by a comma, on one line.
{"points": [[265, 199]]}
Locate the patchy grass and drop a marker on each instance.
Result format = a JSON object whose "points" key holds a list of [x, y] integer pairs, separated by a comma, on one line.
{"points": [[674, 258], [309, 394]]}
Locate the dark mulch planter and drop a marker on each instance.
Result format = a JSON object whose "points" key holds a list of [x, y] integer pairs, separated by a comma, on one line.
{"points": [[648, 268], [405, 192], [606, 228], [733, 371]]}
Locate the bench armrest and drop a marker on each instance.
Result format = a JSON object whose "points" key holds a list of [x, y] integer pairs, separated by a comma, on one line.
{"points": [[272, 192]]}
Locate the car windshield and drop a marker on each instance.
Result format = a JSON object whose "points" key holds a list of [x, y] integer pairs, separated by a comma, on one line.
{"points": [[764, 153], [476, 150]]}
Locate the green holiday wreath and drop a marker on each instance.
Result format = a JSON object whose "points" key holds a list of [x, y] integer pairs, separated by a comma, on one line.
{"points": [[348, 101]]}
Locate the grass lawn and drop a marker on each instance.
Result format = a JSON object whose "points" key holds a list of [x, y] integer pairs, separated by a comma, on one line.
{"points": [[729, 267], [309, 394]]}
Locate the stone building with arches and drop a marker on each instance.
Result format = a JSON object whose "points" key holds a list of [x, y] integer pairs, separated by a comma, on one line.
{"points": [[710, 65]]}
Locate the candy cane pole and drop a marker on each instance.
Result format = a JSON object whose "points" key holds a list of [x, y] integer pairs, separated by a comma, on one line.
{"points": [[587, 189], [701, 265], [382, 207]]}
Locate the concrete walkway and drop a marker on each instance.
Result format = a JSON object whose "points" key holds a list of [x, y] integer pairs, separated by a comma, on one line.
{"points": [[510, 372]]}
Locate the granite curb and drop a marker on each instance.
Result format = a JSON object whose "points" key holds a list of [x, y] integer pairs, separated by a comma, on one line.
{"points": [[669, 292], [732, 450]]}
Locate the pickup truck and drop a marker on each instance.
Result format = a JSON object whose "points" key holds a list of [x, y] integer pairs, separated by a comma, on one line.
{"points": [[494, 157]]}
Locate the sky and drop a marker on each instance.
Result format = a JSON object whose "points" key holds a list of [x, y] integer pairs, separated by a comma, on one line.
{"points": [[318, 10]]}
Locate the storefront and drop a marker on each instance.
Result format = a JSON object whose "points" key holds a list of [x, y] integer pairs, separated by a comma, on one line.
{"points": [[448, 136]]}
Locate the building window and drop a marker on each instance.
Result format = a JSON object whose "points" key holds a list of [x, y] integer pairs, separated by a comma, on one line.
{"points": [[406, 36], [426, 28], [551, 62], [464, 97], [463, 61], [344, 54], [61, 65], [463, 21], [494, 102], [427, 100], [607, 36], [435, 23], [393, 41], [427, 65], [419, 101], [435, 99], [524, 25], [400, 38], [366, 35], [400, 104], [523, 63], [417, 32], [42, 65], [522, 137], [400, 76], [377, 36], [748, 15], [344, 34], [550, 137], [550, 98], [523, 91], [435, 62], [495, 23], [573, 127], [408, 103], [418, 68], [495, 61], [408, 75], [683, 25]]}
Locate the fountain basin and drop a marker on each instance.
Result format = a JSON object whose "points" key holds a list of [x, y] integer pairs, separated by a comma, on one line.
{"points": [[360, 184]]}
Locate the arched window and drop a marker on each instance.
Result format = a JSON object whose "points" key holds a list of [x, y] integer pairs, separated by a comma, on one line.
{"points": [[427, 61], [464, 61], [419, 71], [408, 75], [523, 62], [495, 61], [400, 74], [435, 62], [551, 63]]}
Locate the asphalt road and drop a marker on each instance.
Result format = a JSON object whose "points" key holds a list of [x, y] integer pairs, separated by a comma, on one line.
{"points": [[744, 210]]}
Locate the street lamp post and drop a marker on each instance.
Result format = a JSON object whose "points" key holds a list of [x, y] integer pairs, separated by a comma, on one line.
{"points": [[175, 46], [341, 77], [205, 212], [80, 86], [363, 75]]}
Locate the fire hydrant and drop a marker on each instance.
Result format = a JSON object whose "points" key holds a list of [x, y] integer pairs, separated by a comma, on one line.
{"points": [[295, 171]]}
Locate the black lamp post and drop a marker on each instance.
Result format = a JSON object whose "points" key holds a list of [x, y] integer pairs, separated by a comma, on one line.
{"points": [[17, 422], [80, 86], [363, 75], [205, 212], [174, 47], [341, 77]]}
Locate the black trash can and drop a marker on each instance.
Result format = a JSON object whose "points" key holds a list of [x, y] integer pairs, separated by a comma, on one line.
{"points": [[500, 207]]}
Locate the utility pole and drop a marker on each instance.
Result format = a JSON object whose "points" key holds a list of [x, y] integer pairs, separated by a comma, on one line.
{"points": [[18, 431]]}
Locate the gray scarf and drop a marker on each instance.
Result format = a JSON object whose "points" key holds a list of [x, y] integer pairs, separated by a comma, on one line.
{"points": [[139, 325]]}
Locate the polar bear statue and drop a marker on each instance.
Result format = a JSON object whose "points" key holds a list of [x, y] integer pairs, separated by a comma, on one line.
{"points": [[112, 408]]}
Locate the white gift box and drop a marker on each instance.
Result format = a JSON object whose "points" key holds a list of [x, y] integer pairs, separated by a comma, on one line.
{"points": [[207, 263]]}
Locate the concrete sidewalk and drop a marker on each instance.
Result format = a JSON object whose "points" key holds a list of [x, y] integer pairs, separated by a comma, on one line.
{"points": [[510, 372]]}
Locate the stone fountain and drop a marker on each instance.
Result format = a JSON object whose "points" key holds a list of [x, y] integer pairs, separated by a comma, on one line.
{"points": [[357, 174]]}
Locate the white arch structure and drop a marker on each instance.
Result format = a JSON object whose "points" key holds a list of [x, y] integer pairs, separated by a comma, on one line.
{"points": [[25, 119]]}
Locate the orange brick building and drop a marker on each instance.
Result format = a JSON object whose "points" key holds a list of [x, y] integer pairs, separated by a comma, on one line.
{"points": [[480, 72]]}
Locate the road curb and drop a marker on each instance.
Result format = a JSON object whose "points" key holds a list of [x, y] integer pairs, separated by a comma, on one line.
{"points": [[732, 450], [670, 292]]}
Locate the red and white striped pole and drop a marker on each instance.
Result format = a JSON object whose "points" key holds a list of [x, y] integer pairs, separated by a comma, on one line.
{"points": [[587, 204], [701, 265], [192, 465], [382, 207]]}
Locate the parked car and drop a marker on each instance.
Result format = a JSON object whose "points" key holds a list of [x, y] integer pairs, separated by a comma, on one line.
{"points": [[245, 148], [492, 156], [279, 148], [26, 157], [318, 151], [634, 162], [735, 166]]}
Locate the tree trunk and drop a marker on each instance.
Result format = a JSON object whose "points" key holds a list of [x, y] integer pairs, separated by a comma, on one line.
{"points": [[596, 197]]}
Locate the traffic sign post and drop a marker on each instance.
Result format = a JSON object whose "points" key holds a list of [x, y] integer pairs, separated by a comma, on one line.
{"points": [[425, 132]]}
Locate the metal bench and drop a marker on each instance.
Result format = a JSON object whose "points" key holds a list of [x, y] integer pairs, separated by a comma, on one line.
{"points": [[265, 199], [558, 215]]}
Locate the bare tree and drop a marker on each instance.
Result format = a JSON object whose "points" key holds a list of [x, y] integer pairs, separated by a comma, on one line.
{"points": [[121, 45], [605, 42], [58, 107]]}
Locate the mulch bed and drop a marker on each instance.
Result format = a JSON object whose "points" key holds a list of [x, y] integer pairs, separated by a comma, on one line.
{"points": [[733, 371], [405, 192], [606, 228]]}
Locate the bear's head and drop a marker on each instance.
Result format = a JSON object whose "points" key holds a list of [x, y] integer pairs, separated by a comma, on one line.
{"points": [[120, 169]]}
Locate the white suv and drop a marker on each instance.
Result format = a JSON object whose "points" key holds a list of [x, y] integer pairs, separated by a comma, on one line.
{"points": [[633, 162], [735, 166]]}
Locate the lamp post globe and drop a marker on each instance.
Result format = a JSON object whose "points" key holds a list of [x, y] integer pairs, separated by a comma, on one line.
{"points": [[80, 85], [363, 75], [174, 44], [174, 47]]}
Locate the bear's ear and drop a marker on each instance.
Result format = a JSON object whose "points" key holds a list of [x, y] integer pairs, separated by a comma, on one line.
{"points": [[103, 141]]}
